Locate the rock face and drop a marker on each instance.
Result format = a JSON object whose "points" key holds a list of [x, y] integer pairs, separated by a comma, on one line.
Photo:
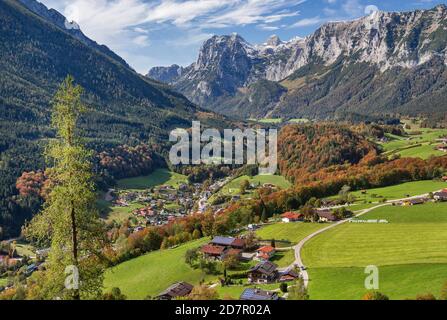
{"points": [[166, 74], [56, 18], [381, 43]]}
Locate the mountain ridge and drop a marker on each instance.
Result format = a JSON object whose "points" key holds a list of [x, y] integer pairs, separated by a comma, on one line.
{"points": [[383, 42]]}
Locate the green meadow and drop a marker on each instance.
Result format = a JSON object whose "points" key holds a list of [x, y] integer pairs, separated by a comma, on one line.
{"points": [[399, 191], [157, 178], [233, 187], [152, 273], [410, 252], [419, 142]]}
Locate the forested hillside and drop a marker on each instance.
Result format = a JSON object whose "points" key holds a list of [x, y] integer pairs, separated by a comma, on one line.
{"points": [[36, 55]]}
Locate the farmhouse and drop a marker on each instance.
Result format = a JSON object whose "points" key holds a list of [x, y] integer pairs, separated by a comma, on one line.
{"points": [[440, 196], [291, 217], [179, 289], [213, 251], [264, 272], [414, 202], [326, 216], [227, 242], [265, 253], [287, 275], [257, 294]]}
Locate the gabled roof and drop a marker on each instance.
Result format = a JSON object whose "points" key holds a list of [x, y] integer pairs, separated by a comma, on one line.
{"points": [[223, 241], [238, 242], [266, 249], [327, 214], [179, 289], [266, 267], [257, 294], [291, 215], [213, 250]]}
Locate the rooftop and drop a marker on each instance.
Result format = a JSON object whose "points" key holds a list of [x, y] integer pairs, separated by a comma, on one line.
{"points": [[257, 294]]}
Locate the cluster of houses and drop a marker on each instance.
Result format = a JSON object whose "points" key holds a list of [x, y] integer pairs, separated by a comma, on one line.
{"points": [[267, 272], [324, 215], [440, 196], [221, 247]]}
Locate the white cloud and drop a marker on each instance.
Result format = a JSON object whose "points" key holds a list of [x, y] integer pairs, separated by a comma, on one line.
{"points": [[307, 22], [353, 8]]}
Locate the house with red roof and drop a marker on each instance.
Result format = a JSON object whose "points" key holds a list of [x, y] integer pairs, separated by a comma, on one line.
{"points": [[265, 253], [212, 251], [291, 217]]}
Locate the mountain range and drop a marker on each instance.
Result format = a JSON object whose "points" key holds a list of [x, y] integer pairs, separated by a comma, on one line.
{"points": [[385, 63]]}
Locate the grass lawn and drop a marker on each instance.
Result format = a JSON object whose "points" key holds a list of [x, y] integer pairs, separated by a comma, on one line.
{"points": [[157, 178], [400, 191], [268, 120], [284, 258], [119, 214], [293, 232], [154, 272], [397, 281], [421, 145], [233, 187], [408, 251], [424, 151], [3, 282]]}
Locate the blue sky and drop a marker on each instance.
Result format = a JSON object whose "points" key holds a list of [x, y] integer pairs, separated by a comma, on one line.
{"points": [[150, 33]]}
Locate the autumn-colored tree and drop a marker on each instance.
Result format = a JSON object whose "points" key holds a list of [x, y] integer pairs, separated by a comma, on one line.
{"points": [[69, 218], [203, 292], [298, 290], [374, 295]]}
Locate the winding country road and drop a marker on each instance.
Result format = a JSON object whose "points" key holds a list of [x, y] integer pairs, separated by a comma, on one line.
{"points": [[298, 259]]}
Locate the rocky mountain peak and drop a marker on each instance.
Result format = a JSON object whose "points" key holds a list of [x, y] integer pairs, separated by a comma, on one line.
{"points": [[273, 41]]}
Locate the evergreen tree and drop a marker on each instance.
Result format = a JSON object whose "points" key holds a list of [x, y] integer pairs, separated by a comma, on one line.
{"points": [[69, 218]]}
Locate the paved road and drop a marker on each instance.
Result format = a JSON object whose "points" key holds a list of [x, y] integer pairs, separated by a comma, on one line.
{"points": [[298, 260]]}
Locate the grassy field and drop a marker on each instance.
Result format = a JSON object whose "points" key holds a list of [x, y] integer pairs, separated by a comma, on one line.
{"points": [[3, 282], [399, 191], [408, 251], [420, 145], [154, 272], [233, 187], [397, 281], [293, 232], [268, 120], [119, 214], [157, 178]]}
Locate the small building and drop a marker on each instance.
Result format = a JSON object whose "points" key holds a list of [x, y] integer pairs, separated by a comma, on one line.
{"points": [[258, 295], [264, 272], [265, 253], [179, 289], [326, 216], [288, 275], [291, 217], [414, 202], [440, 196], [229, 242], [213, 251]]}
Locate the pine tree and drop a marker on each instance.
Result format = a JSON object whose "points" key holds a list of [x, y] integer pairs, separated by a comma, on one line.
{"points": [[69, 218]]}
